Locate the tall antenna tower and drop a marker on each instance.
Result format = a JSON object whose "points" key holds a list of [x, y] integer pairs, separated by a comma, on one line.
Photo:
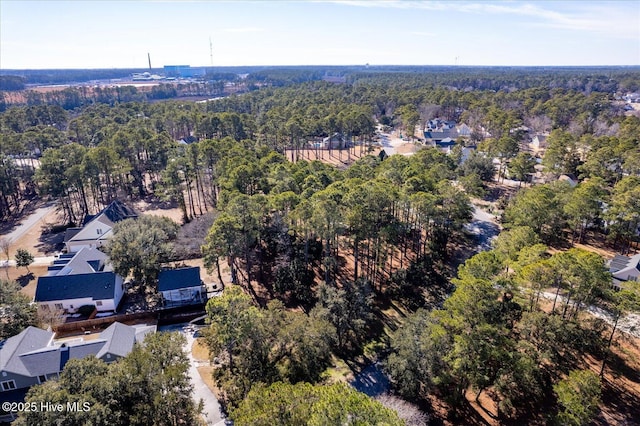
{"points": [[149, 57], [211, 50]]}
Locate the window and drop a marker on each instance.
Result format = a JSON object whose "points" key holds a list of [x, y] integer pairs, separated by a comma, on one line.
{"points": [[59, 306], [70, 306], [99, 303], [8, 385], [42, 379], [99, 231], [44, 307]]}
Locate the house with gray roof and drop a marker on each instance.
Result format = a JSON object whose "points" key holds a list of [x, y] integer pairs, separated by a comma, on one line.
{"points": [[97, 229], [335, 141], [181, 286], [437, 136], [623, 269], [34, 356], [86, 261]]}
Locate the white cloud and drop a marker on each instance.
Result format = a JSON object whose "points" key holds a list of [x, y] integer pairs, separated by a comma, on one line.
{"points": [[615, 19]]}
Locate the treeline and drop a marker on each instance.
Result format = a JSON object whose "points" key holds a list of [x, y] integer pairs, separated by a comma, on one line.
{"points": [[142, 135], [11, 83], [72, 98]]}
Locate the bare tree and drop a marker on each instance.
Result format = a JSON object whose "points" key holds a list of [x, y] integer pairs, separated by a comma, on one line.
{"points": [[50, 318], [410, 413], [5, 244], [539, 123]]}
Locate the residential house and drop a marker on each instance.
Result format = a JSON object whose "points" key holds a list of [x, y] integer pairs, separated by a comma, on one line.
{"points": [[34, 356], [445, 145], [435, 136], [182, 286], [539, 143], [335, 141], [466, 152], [77, 279], [188, 140], [632, 97], [85, 261], [97, 229], [103, 290], [623, 269], [439, 130], [464, 130]]}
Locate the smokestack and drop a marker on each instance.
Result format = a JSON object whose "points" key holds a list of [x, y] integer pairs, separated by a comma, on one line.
{"points": [[149, 57]]}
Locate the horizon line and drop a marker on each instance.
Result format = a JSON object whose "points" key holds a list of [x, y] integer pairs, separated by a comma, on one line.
{"points": [[3, 69]]}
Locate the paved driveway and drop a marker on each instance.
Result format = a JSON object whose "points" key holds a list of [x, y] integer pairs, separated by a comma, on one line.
{"points": [[29, 222], [201, 391]]}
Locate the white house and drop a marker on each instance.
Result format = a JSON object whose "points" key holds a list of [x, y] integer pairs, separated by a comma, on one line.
{"points": [[85, 261], [624, 268], [97, 229], [464, 130], [81, 278], [103, 290], [539, 143]]}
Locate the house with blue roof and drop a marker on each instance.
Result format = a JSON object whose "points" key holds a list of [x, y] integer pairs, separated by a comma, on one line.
{"points": [[103, 290], [182, 286], [81, 278]]}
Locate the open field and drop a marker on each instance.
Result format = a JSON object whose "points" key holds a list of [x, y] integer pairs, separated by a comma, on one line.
{"points": [[340, 158]]}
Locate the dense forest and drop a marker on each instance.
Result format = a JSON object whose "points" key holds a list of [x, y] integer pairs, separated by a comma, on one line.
{"points": [[319, 255]]}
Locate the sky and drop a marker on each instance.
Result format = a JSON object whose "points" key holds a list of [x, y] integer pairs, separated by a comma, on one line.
{"points": [[120, 33]]}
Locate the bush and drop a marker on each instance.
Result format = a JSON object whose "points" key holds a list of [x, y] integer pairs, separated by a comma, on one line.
{"points": [[86, 310]]}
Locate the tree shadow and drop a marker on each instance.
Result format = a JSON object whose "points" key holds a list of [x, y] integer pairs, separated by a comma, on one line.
{"points": [[50, 242], [24, 280]]}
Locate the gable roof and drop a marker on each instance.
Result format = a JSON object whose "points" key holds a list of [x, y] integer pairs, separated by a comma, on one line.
{"points": [[96, 285], [335, 137], [85, 261], [30, 339], [115, 212], [621, 266], [173, 279], [119, 340], [33, 352], [441, 134], [69, 233]]}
